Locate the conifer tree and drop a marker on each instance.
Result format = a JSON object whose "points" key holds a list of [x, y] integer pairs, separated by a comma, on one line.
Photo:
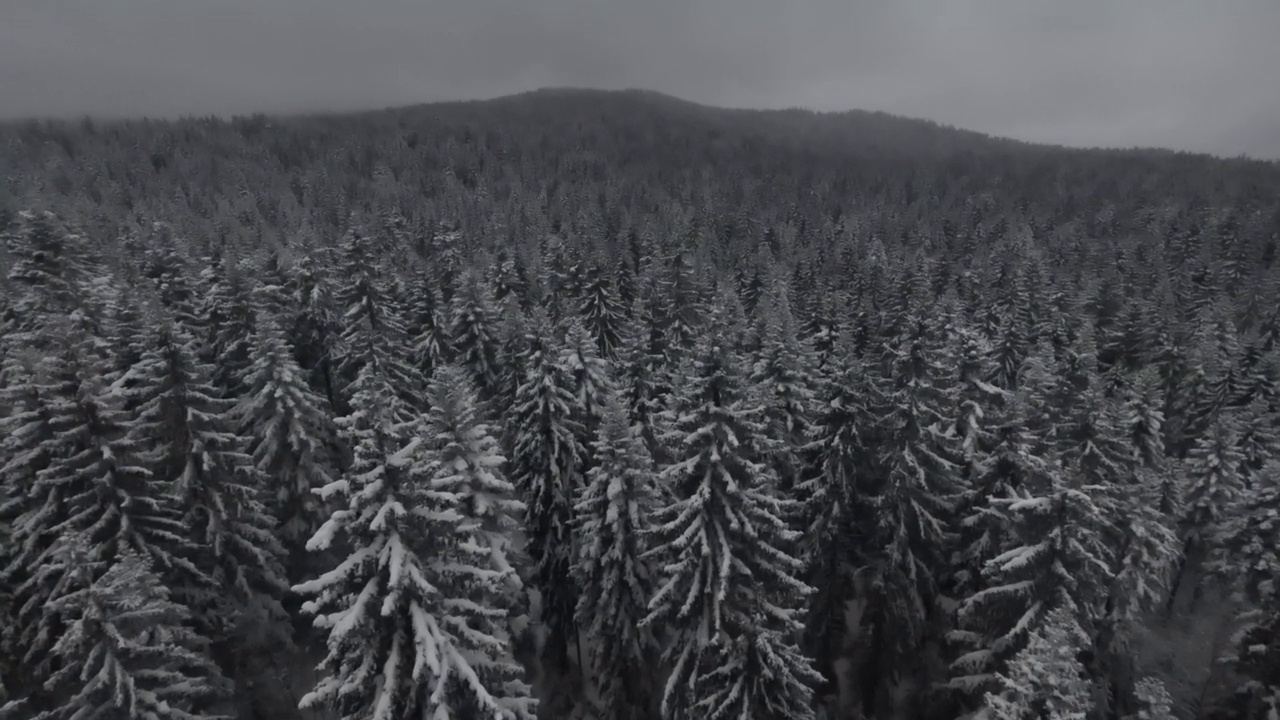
{"points": [[290, 435], [838, 513], [468, 459], [49, 270], [89, 480], [428, 326], [405, 633], [191, 443], [613, 514], [730, 596], [546, 465], [784, 377], [916, 501], [474, 334], [1045, 680], [372, 325], [127, 650], [603, 315]]}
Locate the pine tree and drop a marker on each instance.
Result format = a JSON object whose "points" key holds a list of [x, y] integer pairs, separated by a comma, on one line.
{"points": [[127, 650], [290, 435], [403, 638], [729, 595], [612, 516], [547, 467]]}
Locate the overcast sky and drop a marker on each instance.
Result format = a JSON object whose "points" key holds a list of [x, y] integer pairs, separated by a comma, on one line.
{"points": [[1198, 75]]}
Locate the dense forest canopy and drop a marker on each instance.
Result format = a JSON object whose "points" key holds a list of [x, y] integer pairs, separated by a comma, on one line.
{"points": [[578, 404]]}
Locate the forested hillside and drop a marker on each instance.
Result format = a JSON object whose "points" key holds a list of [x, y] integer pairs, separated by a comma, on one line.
{"points": [[607, 405]]}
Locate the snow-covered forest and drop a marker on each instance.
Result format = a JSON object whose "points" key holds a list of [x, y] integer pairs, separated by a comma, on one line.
{"points": [[580, 405]]}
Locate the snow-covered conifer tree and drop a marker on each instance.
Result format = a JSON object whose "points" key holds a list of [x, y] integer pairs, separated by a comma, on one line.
{"points": [[784, 378], [729, 596], [1045, 680], [406, 635], [473, 330], [546, 465], [127, 650], [603, 315], [191, 443], [613, 514], [290, 434]]}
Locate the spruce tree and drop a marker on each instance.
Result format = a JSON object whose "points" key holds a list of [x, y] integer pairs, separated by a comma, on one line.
{"points": [[1045, 680], [473, 331], [729, 596], [191, 441], [127, 650], [546, 465], [290, 435], [603, 315], [613, 514], [405, 633], [784, 377]]}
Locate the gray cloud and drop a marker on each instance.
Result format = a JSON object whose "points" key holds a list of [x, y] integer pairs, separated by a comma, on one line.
{"points": [[1187, 74]]}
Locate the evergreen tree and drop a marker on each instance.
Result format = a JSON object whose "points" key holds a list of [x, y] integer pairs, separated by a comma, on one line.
{"points": [[1046, 681], [916, 502], [290, 435], [612, 514], [373, 329], [604, 316], [127, 650], [784, 377], [838, 511], [474, 334], [406, 635], [428, 326], [729, 596], [547, 467], [49, 269], [468, 459], [95, 485], [191, 444]]}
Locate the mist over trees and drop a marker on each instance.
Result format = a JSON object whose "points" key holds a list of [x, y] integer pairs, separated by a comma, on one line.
{"points": [[605, 405]]}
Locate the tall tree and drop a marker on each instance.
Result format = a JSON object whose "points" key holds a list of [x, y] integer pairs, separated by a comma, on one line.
{"points": [[730, 596], [612, 514], [546, 465], [401, 640]]}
